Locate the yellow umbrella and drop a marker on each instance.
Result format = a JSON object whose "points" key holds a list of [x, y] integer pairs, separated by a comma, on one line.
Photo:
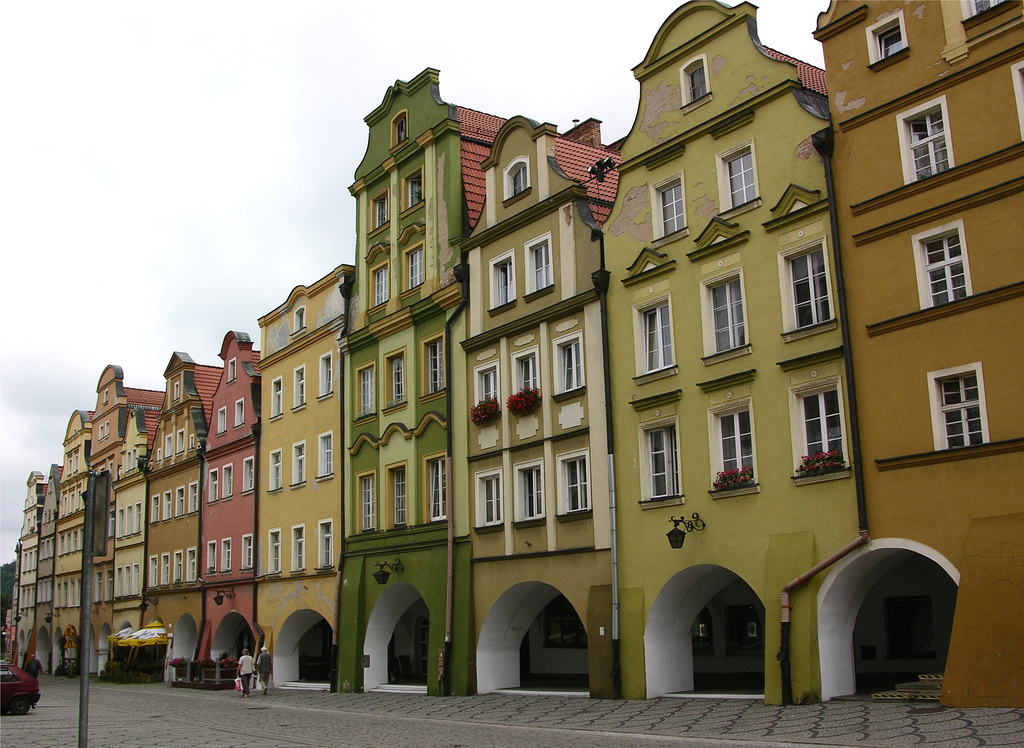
{"points": [[153, 633]]}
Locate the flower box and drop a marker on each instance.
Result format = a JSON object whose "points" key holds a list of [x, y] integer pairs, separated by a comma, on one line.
{"points": [[525, 401], [821, 462], [736, 478], [485, 410]]}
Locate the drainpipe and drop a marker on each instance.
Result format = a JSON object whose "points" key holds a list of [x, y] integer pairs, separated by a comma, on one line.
{"points": [[824, 144], [346, 287], [201, 454], [257, 431], [461, 273]]}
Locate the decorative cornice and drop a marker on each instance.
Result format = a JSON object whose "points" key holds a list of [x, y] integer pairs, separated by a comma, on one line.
{"points": [[656, 401], [811, 359], [732, 380], [960, 306], [923, 459]]}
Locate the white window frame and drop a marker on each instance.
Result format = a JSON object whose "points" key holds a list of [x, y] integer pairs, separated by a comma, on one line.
{"points": [[248, 474], [686, 73], [247, 551], [380, 210], [222, 420], [240, 412], [227, 481], [326, 374], [179, 567], [225, 554], [211, 556], [716, 417], [299, 395], [488, 498], [798, 418], [276, 397], [529, 475], [325, 543], [274, 551], [1017, 73], [519, 363], [508, 177], [213, 487], [399, 494], [503, 279], [661, 356], [487, 382], [880, 30], [790, 315], [580, 486], [232, 369], [191, 564], [275, 470], [299, 463], [367, 391], [678, 218], [154, 509], [168, 505], [368, 501], [414, 260], [396, 366], [903, 122], [325, 454], [650, 472], [180, 445], [570, 375], [299, 319], [938, 408], [924, 269], [193, 497], [970, 7], [298, 547], [165, 568], [540, 264], [437, 488], [415, 178], [436, 381], [709, 322], [381, 287], [725, 183]]}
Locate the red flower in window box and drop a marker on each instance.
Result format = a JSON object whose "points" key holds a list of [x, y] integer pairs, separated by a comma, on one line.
{"points": [[525, 401], [821, 462], [485, 410], [737, 478]]}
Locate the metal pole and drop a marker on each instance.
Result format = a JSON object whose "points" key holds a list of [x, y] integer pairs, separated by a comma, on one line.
{"points": [[85, 620]]}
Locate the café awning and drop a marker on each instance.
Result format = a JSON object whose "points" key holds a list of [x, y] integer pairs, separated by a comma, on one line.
{"points": [[153, 633]]}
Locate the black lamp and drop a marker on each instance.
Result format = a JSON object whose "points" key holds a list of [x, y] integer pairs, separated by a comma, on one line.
{"points": [[146, 602], [221, 594], [384, 571], [676, 537]]}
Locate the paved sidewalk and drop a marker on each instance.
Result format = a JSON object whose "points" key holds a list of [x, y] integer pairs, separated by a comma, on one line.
{"points": [[157, 715]]}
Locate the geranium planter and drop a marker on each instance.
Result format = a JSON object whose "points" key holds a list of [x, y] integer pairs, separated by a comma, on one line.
{"points": [[525, 401]]}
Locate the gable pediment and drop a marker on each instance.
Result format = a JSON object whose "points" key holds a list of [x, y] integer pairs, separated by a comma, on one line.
{"points": [[376, 250], [718, 235], [648, 264], [795, 197]]}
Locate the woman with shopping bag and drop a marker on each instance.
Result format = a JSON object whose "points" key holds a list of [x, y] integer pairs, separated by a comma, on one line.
{"points": [[245, 670]]}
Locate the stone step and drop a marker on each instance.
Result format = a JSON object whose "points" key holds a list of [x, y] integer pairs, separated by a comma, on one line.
{"points": [[303, 685]]}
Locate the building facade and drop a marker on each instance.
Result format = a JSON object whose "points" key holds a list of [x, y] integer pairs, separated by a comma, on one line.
{"points": [[23, 593], [927, 105]]}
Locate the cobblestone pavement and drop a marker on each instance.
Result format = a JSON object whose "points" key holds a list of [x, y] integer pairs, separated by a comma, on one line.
{"points": [[158, 716]]}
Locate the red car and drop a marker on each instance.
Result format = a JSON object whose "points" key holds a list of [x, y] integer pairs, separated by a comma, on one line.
{"points": [[19, 691]]}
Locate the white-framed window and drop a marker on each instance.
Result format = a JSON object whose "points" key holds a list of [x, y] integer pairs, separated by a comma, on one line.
{"points": [[487, 382], [525, 363], [574, 482], [957, 398], [401, 128], [925, 146], [569, 355], [240, 412], [437, 489], [274, 551], [153, 572], [886, 37], [380, 284], [655, 333], [1017, 73], [488, 498], [398, 495], [154, 509], [414, 267], [300, 387], [211, 556], [517, 177], [136, 578], [435, 365], [165, 568], [503, 280], [694, 79], [168, 505], [227, 481], [232, 369], [181, 441], [661, 448], [248, 474], [191, 562], [325, 543], [177, 391], [366, 391], [822, 421], [725, 314], [193, 497], [538, 254], [733, 439], [671, 215], [380, 211], [247, 551], [414, 190], [298, 547], [299, 319], [326, 374], [225, 554], [214, 486], [222, 420], [276, 397], [368, 501], [275, 470], [809, 287], [396, 365], [737, 176], [529, 491], [325, 454], [973, 7], [940, 256], [179, 566], [298, 463]]}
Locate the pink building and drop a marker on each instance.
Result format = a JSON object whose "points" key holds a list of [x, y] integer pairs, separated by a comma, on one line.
{"points": [[227, 547]]}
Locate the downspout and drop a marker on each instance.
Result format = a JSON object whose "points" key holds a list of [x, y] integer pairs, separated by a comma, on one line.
{"points": [[601, 280], [346, 288], [461, 273], [201, 454], [257, 431], [824, 144]]}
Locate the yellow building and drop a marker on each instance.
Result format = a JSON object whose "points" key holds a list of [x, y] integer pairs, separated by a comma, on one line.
{"points": [[729, 388], [299, 486], [927, 102]]}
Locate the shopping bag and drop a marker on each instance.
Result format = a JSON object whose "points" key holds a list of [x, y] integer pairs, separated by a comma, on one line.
{"points": [[256, 683], [238, 683]]}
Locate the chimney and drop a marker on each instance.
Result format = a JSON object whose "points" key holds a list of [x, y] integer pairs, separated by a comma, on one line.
{"points": [[587, 132]]}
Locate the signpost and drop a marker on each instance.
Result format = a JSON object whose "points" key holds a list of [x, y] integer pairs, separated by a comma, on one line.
{"points": [[97, 504]]}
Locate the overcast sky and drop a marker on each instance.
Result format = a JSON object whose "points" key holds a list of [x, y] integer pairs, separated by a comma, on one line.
{"points": [[170, 171]]}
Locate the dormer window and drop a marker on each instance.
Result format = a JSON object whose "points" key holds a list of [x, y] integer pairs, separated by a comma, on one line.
{"points": [[232, 370], [886, 38], [517, 178], [177, 391], [300, 318], [401, 129]]}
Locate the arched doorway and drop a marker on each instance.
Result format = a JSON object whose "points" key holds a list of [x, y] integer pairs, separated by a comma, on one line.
{"points": [[302, 650], [186, 635], [532, 637], [44, 649], [705, 634], [885, 615], [102, 647], [397, 638], [232, 636]]}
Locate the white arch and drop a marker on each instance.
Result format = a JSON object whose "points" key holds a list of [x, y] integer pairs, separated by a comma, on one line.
{"points": [[102, 647], [186, 634], [668, 652], [286, 645], [227, 632], [840, 598], [392, 604], [508, 620], [43, 648]]}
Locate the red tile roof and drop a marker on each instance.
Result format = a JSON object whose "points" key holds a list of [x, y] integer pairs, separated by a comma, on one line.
{"points": [[207, 380], [478, 132], [575, 158], [810, 77], [137, 396], [479, 125], [152, 419]]}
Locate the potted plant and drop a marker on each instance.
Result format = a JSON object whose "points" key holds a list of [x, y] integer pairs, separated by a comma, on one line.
{"points": [[208, 667], [735, 478], [525, 401], [821, 462], [484, 410], [180, 665]]}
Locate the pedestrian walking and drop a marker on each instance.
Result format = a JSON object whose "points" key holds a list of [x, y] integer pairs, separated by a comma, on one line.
{"points": [[33, 667], [265, 667], [245, 670]]}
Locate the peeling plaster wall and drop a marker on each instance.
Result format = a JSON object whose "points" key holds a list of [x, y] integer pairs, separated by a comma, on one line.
{"points": [[659, 103], [634, 216]]}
